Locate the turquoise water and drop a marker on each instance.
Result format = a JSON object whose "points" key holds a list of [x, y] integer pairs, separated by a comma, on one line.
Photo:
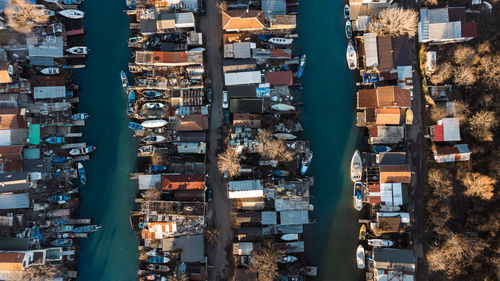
{"points": [[111, 253], [329, 126]]}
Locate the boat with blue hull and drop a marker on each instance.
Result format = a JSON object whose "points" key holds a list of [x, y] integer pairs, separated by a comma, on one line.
{"points": [[60, 199], [347, 11], [55, 140], [131, 102], [62, 242], [306, 162], [59, 160], [124, 79], [80, 116], [302, 65], [158, 260], [86, 228], [82, 151], [381, 148], [157, 169], [152, 94], [136, 126], [358, 195], [348, 28], [82, 175]]}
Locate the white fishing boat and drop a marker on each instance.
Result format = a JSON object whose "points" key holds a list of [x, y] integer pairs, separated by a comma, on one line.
{"points": [[153, 105], [360, 256], [356, 166], [153, 139], [285, 136], [351, 56], [283, 107], [50, 70], [154, 123], [288, 259], [358, 196], [290, 237], [78, 50], [82, 151], [135, 40], [380, 243], [281, 41], [124, 79], [72, 14]]}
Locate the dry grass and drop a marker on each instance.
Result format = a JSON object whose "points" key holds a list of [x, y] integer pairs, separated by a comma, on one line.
{"points": [[229, 161], [264, 261], [23, 16], [482, 124], [478, 185], [395, 22], [273, 148]]}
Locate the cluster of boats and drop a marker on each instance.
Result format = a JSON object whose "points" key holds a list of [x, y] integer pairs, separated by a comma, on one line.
{"points": [[351, 54]]}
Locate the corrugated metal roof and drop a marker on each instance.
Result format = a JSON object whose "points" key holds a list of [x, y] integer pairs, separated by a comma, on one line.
{"points": [[269, 217], [49, 46], [294, 217], [242, 50], [443, 31], [149, 181], [14, 201], [184, 20], [245, 185], [370, 42], [451, 129], [51, 92], [241, 78]]}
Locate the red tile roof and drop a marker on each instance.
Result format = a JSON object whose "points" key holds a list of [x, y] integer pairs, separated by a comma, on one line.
{"points": [[174, 182], [438, 133], [243, 19], [169, 57], [279, 78]]}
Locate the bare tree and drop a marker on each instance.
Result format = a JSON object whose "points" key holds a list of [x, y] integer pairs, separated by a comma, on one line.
{"points": [[465, 55], [481, 125], [437, 113], [395, 22], [23, 16], [489, 67], [440, 180], [462, 111], [265, 260], [444, 72], [229, 161], [478, 185], [152, 194], [211, 235], [464, 75], [273, 148]]}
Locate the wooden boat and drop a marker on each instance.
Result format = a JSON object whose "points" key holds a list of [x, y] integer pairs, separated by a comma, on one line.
{"points": [[347, 11], [302, 65], [82, 151], [124, 78], [362, 232], [78, 50], [72, 14], [86, 228], [154, 139], [290, 237], [158, 267], [55, 140], [381, 148], [356, 166], [80, 116], [351, 56], [50, 70], [288, 259], [358, 196], [154, 123], [62, 242], [285, 136], [348, 29], [131, 102], [136, 126], [283, 107], [158, 260], [281, 41], [306, 161], [409, 116], [82, 175], [380, 243], [360, 257]]}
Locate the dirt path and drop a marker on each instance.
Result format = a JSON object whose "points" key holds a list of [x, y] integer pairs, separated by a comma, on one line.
{"points": [[219, 253]]}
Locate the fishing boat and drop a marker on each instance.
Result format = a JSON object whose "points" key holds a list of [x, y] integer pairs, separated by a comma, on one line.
{"points": [[146, 148], [152, 94], [82, 175], [348, 28], [360, 257], [306, 161], [281, 41], [356, 166], [78, 50], [158, 267], [153, 105], [157, 169], [290, 237], [55, 140], [381, 148], [282, 107], [154, 123], [124, 78], [50, 70], [351, 56], [59, 160], [154, 139], [86, 228], [59, 199], [380, 243], [288, 259], [358, 196], [131, 102], [80, 116], [82, 150], [62, 242], [285, 136], [136, 126], [362, 232], [135, 40], [302, 65], [409, 116], [158, 260], [347, 11], [72, 14]]}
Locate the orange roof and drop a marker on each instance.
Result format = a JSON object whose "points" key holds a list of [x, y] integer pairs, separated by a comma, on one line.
{"points": [[169, 57], [243, 20], [11, 119], [193, 123], [11, 261], [174, 182], [279, 53], [395, 174], [393, 96], [156, 230], [4, 74], [388, 116]]}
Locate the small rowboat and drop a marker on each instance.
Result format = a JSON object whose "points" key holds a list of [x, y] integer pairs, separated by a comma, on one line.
{"points": [[55, 140], [348, 28], [72, 14], [62, 242], [157, 169], [80, 116], [158, 260], [81, 173], [380, 243], [381, 148], [136, 126], [78, 50], [82, 151], [362, 232], [154, 139], [347, 11], [86, 228], [360, 257], [50, 70]]}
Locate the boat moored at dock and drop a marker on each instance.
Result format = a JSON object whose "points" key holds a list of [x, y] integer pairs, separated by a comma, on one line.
{"points": [[124, 79], [154, 123], [50, 70], [302, 65], [281, 41], [78, 50], [283, 107], [380, 243], [356, 166], [80, 116], [131, 102], [136, 126], [55, 140], [86, 228], [72, 14], [82, 151], [62, 242], [82, 175], [358, 196], [154, 139], [351, 56], [347, 11], [158, 260], [348, 28]]}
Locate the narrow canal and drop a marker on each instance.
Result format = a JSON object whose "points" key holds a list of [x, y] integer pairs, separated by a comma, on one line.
{"points": [[329, 125], [111, 253]]}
